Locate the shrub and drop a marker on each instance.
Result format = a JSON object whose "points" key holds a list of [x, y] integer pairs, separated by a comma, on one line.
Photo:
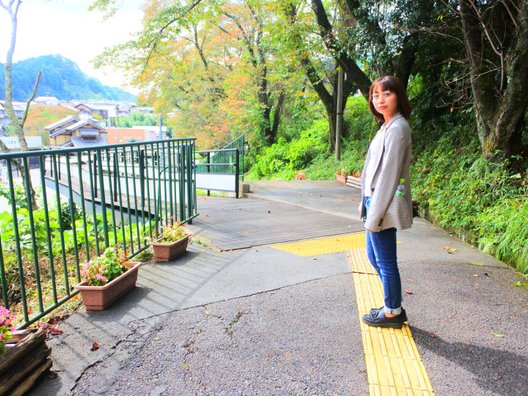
{"points": [[481, 202], [283, 159]]}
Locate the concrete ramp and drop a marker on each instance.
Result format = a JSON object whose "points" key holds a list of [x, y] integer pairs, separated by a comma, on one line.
{"points": [[229, 223]]}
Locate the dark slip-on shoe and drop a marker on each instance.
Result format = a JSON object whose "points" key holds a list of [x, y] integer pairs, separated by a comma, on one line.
{"points": [[380, 320], [375, 311]]}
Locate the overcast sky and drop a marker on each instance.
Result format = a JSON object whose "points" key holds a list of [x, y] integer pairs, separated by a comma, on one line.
{"points": [[66, 27]]}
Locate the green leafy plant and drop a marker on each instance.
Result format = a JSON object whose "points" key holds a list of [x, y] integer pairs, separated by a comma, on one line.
{"points": [[106, 267], [173, 232]]}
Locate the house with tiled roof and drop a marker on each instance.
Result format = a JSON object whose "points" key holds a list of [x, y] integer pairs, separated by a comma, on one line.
{"points": [[46, 100], [105, 111], [75, 131]]}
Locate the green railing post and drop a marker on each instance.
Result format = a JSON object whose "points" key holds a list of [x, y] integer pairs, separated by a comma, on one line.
{"points": [[83, 207], [71, 204], [237, 170], [17, 242], [103, 198], [208, 169], [3, 276]]}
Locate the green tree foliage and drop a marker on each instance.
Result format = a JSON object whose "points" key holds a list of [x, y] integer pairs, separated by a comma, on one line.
{"points": [[307, 150], [222, 68], [137, 118], [211, 68]]}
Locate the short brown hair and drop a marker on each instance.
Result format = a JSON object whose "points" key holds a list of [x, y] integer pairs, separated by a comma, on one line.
{"points": [[393, 84]]}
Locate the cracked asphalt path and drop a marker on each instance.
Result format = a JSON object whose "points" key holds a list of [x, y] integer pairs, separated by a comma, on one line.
{"points": [[262, 344]]}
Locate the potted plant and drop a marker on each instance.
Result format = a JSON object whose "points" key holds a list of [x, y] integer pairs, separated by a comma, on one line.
{"points": [[341, 176], [172, 242], [106, 278]]}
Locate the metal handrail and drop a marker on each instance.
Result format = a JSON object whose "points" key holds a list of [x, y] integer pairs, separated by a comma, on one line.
{"points": [[91, 198]]}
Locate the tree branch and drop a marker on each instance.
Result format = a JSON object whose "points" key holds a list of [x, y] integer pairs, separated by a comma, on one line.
{"points": [[348, 64]]}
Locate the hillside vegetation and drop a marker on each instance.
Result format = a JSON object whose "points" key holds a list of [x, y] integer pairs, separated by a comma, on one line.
{"points": [[61, 78]]}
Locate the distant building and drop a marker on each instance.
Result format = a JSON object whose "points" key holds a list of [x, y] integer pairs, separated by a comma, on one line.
{"points": [[152, 132], [134, 134], [46, 100], [12, 143], [75, 131], [144, 110], [123, 111], [93, 110], [125, 135], [18, 107]]}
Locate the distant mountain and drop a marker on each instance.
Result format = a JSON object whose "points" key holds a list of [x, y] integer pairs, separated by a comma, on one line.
{"points": [[61, 78]]}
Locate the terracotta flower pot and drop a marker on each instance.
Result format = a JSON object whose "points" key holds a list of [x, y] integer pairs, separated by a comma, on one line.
{"points": [[98, 298], [164, 252], [341, 179]]}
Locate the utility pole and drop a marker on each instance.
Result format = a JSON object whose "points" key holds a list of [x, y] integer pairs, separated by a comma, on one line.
{"points": [[339, 113]]}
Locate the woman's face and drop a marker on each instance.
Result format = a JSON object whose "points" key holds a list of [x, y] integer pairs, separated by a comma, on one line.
{"points": [[385, 102]]}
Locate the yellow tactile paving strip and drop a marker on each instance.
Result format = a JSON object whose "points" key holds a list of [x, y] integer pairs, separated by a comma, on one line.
{"points": [[394, 366], [316, 247]]}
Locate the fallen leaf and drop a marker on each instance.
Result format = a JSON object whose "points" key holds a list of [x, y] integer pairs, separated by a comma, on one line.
{"points": [[95, 346], [56, 330], [449, 249], [431, 334], [407, 291], [156, 339], [476, 275], [49, 329], [497, 335]]}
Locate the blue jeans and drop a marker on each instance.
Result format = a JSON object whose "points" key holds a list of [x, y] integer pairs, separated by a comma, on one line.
{"points": [[381, 252]]}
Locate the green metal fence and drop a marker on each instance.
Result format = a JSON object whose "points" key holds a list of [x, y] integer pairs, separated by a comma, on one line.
{"points": [[86, 200], [219, 176], [224, 159]]}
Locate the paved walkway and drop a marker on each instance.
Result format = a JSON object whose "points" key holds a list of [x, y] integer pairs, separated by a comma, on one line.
{"points": [[240, 317]]}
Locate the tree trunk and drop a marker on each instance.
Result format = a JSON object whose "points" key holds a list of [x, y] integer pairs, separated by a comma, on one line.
{"points": [[263, 99], [277, 114], [17, 125], [358, 77], [500, 99]]}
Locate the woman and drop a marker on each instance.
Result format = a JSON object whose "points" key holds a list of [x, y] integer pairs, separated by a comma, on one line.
{"points": [[386, 204]]}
